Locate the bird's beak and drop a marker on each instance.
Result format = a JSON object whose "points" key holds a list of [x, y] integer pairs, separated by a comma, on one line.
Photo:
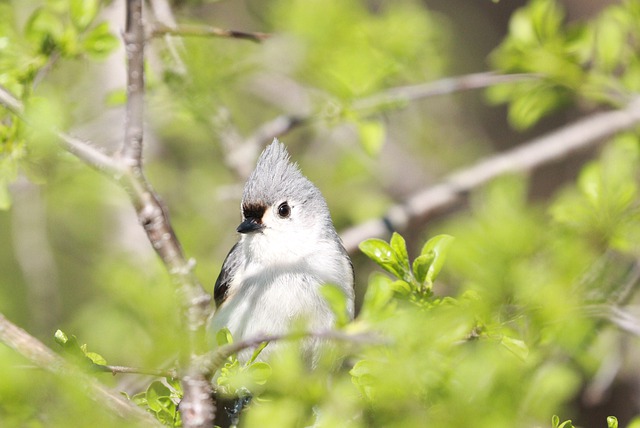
{"points": [[250, 225]]}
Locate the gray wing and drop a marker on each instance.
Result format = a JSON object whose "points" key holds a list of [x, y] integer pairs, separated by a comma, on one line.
{"points": [[229, 268]]}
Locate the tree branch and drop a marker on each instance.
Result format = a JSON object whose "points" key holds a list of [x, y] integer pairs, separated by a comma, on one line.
{"points": [[197, 407], [449, 85], [454, 189], [214, 360], [40, 355], [81, 149], [185, 30], [126, 168], [114, 370], [131, 150]]}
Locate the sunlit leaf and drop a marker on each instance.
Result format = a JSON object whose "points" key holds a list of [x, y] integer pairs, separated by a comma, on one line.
{"points": [[372, 135], [259, 372], [381, 252], [438, 246], [338, 303], [83, 12], [100, 42]]}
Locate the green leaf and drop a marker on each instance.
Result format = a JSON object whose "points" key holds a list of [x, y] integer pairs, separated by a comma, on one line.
{"points": [[372, 135], [83, 12], [259, 372], [382, 253], [257, 352], [223, 337], [337, 302], [116, 98], [100, 42], [516, 346], [555, 421], [96, 358], [399, 246], [438, 246], [158, 394], [44, 29], [60, 337], [421, 266], [377, 297], [362, 378], [612, 422], [401, 287]]}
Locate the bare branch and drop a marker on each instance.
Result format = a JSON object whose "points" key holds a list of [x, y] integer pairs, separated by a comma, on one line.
{"points": [[453, 190], [450, 85], [185, 30], [240, 155], [37, 353], [82, 149], [623, 318], [114, 370], [131, 150]]}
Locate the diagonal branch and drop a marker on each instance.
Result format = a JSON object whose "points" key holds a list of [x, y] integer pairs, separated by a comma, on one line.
{"points": [[449, 85], [185, 30], [453, 190], [91, 155], [37, 353]]}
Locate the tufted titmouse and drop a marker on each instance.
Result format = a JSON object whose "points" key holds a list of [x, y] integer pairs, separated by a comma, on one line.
{"points": [[288, 249]]}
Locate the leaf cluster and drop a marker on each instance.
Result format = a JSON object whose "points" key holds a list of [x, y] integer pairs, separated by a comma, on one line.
{"points": [[594, 61]]}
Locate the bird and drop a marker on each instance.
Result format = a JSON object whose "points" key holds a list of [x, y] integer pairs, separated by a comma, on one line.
{"points": [[288, 249]]}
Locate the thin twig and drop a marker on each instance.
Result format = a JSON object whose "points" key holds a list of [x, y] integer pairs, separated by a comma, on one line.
{"points": [[171, 373], [449, 85], [240, 154], [81, 149], [214, 360], [454, 189], [37, 353], [185, 30]]}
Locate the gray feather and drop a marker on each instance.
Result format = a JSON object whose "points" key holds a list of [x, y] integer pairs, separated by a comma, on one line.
{"points": [[228, 271], [276, 178]]}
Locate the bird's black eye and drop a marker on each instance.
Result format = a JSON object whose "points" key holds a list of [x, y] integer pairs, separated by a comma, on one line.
{"points": [[284, 210]]}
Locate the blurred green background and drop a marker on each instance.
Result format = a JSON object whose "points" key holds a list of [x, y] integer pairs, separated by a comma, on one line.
{"points": [[539, 249]]}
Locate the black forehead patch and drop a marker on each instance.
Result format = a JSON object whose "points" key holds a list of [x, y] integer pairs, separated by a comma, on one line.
{"points": [[253, 211]]}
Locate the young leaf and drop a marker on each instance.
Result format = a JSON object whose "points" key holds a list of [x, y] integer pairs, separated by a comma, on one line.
{"points": [[438, 246], [223, 337], [157, 396], [612, 422], [421, 266], [371, 135], [259, 372], [378, 299], [382, 253], [96, 358], [60, 337], [399, 246], [401, 287], [100, 42], [257, 352], [83, 12], [338, 303], [517, 347]]}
